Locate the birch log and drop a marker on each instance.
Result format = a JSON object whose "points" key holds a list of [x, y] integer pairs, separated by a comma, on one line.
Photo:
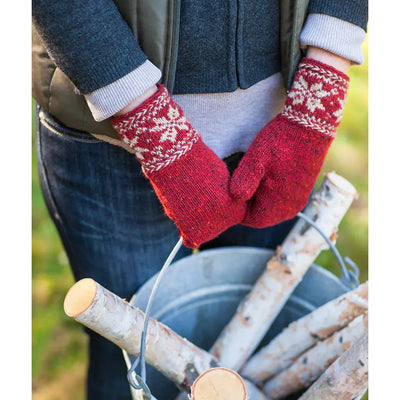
{"points": [[283, 272], [310, 365], [304, 333], [253, 393], [346, 378], [115, 319], [218, 384]]}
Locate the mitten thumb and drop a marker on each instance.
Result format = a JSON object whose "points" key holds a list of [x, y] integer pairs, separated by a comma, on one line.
{"points": [[246, 178]]}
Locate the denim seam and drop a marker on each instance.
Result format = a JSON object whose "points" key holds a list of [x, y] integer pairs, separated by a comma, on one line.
{"points": [[46, 187]]}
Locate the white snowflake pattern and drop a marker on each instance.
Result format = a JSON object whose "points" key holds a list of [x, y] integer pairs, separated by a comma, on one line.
{"points": [[169, 128], [138, 150], [339, 112], [312, 95], [297, 92]]}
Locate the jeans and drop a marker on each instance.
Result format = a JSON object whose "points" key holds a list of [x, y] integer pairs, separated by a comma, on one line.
{"points": [[113, 229]]}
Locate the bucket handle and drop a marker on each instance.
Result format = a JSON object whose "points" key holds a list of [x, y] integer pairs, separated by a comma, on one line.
{"points": [[350, 277], [138, 382]]}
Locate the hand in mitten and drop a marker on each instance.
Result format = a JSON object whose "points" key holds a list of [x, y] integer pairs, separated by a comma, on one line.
{"points": [[281, 166], [189, 179]]}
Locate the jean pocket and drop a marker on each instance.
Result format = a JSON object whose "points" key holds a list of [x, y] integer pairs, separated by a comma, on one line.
{"points": [[55, 126]]}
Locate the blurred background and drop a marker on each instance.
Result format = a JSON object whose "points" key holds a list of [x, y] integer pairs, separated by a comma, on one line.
{"points": [[59, 357]]}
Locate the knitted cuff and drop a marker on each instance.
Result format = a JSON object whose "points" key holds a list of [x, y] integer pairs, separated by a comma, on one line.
{"points": [[335, 35], [108, 100], [317, 97], [157, 130]]}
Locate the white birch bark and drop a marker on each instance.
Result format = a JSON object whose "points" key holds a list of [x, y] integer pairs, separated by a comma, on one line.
{"points": [[283, 272], [253, 393], [115, 319], [346, 378], [304, 333], [118, 321], [311, 365]]}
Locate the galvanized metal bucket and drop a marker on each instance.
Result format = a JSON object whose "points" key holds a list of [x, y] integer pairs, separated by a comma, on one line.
{"points": [[200, 293]]}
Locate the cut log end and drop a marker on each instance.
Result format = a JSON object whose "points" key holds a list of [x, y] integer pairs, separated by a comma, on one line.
{"points": [[79, 297], [219, 384], [341, 183]]}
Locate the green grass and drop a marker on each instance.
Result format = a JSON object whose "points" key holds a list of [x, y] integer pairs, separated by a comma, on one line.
{"points": [[348, 156], [59, 345]]}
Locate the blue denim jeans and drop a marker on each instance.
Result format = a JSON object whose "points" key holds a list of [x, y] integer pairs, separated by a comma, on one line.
{"points": [[113, 229]]}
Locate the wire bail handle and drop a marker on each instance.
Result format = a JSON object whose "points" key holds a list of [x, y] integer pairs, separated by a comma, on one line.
{"points": [[350, 278], [137, 381]]}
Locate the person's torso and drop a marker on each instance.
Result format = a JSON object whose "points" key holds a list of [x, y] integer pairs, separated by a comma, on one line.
{"points": [[222, 46]]}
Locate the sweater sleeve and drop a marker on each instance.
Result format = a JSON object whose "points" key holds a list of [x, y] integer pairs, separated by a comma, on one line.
{"points": [[106, 101], [334, 35], [338, 26], [89, 41], [353, 11]]}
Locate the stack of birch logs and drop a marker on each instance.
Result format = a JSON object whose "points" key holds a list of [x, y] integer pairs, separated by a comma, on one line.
{"points": [[324, 352]]}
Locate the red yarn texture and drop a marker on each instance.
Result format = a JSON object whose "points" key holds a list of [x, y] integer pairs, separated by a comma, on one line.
{"points": [[281, 166], [189, 179]]}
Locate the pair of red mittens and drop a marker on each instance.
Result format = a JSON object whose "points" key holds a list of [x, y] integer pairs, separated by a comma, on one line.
{"points": [[273, 180]]}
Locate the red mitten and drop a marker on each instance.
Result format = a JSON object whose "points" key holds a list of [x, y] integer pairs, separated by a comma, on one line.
{"points": [[189, 179], [281, 166]]}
